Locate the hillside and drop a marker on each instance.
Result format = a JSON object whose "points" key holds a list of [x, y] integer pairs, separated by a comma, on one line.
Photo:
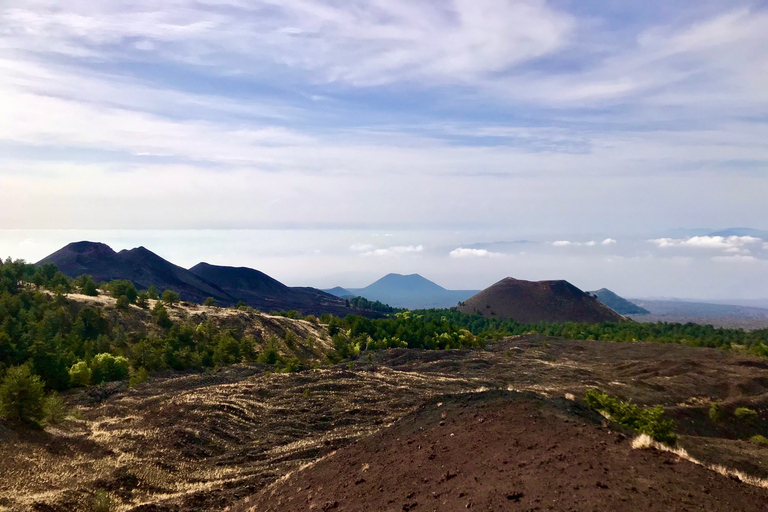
{"points": [[140, 266], [619, 304], [202, 442], [411, 291], [538, 301], [264, 293], [503, 451], [228, 285], [339, 292]]}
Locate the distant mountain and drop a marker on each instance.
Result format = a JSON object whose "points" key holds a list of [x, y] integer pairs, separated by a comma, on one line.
{"points": [[264, 293], [411, 291], [619, 304], [228, 285], [140, 266], [538, 301], [700, 310], [757, 233], [339, 292]]}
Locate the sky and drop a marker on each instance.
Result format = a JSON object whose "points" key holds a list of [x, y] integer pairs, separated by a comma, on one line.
{"points": [[330, 142]]}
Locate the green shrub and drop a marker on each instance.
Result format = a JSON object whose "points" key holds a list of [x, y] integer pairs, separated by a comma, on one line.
{"points": [[170, 297], [758, 439], [87, 285], [291, 338], [645, 420], [211, 302], [123, 288], [139, 376], [122, 302], [80, 374], [163, 318], [21, 396], [716, 412], [106, 368], [745, 414], [102, 502], [55, 409]]}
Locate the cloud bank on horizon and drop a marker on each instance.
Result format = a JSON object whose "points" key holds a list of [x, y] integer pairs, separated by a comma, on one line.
{"points": [[488, 119]]}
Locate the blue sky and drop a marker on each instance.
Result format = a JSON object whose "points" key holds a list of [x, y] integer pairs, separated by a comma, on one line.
{"points": [[287, 135]]}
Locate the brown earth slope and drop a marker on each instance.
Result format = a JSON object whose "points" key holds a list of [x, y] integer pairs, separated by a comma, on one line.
{"points": [[497, 451], [202, 442], [538, 301]]}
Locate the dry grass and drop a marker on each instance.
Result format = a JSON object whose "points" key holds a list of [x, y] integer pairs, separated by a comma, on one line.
{"points": [[644, 442]]}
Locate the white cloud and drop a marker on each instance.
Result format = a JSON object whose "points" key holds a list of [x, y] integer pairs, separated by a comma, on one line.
{"points": [[567, 243], [396, 250], [362, 247], [730, 244], [736, 258], [358, 42], [608, 241], [462, 252]]}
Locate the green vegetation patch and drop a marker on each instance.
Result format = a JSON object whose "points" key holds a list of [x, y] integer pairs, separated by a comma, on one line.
{"points": [[643, 420]]}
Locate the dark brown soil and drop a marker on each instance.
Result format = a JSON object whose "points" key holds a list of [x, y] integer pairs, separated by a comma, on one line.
{"points": [[203, 442], [538, 301], [503, 451]]}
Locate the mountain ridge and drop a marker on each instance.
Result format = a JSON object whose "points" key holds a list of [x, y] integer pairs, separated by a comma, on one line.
{"points": [[538, 301]]}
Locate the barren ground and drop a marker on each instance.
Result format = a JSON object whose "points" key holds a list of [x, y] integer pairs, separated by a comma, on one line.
{"points": [[203, 442]]}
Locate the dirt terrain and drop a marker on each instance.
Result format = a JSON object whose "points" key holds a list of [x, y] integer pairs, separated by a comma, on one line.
{"points": [[202, 442], [538, 301], [497, 451]]}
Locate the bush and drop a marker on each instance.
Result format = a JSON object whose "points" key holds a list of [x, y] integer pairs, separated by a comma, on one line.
{"points": [[758, 439], [102, 502], [122, 302], [106, 368], [55, 409], [211, 302], [123, 288], [291, 338], [645, 420], [745, 414], [139, 376], [163, 318], [80, 374], [21, 396], [170, 297], [87, 285], [716, 412]]}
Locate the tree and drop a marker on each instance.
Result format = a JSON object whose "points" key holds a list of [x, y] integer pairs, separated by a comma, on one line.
{"points": [[170, 297], [21, 396], [210, 301], [152, 292], [80, 374], [124, 288], [87, 285], [163, 318], [106, 368]]}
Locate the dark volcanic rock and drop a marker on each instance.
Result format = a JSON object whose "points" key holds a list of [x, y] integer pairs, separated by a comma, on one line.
{"points": [[538, 301]]}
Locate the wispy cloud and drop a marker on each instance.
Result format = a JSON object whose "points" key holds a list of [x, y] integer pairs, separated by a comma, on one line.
{"points": [[397, 250], [730, 244], [462, 252], [735, 258], [568, 243]]}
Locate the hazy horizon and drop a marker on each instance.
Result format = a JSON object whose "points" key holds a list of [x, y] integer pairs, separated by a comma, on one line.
{"points": [[670, 267], [329, 143]]}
